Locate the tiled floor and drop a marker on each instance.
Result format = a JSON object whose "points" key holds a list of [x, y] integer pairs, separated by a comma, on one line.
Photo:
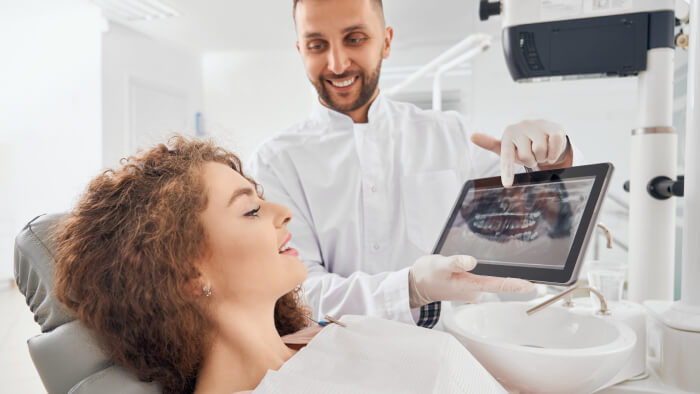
{"points": [[17, 373]]}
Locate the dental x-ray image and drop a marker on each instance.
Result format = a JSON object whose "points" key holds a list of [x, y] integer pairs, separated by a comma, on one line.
{"points": [[531, 225]]}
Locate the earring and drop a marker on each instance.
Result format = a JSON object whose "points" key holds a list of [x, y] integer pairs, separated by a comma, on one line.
{"points": [[206, 290]]}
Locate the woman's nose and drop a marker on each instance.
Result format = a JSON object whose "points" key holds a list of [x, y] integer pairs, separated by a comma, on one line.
{"points": [[282, 214]]}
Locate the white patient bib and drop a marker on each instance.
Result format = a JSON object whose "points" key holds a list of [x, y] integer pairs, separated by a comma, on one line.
{"points": [[375, 355]]}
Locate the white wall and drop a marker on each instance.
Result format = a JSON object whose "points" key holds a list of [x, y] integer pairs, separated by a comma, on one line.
{"points": [[50, 110], [251, 95], [150, 90], [457, 84]]}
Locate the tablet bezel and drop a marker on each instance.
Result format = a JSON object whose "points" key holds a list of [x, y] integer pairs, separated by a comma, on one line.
{"points": [[558, 276]]}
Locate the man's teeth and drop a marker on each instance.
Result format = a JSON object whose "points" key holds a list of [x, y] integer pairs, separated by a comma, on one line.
{"points": [[343, 84]]}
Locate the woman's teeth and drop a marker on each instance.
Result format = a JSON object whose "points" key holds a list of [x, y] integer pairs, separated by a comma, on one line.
{"points": [[342, 84], [284, 250]]}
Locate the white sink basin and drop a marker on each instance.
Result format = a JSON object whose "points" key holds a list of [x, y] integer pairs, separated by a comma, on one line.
{"points": [[552, 351]]}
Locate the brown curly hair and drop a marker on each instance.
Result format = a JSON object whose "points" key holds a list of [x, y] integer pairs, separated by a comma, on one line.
{"points": [[126, 258]]}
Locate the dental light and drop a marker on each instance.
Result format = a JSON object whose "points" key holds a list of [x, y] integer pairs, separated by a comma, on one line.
{"points": [[573, 39], [567, 39], [564, 39]]}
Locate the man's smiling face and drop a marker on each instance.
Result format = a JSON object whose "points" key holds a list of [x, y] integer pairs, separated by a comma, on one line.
{"points": [[342, 44]]}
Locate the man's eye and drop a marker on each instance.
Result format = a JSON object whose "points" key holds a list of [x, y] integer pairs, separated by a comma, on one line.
{"points": [[254, 212], [315, 46], [355, 39]]}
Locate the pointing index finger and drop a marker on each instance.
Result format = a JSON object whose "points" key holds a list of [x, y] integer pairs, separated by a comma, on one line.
{"points": [[507, 163], [487, 142]]}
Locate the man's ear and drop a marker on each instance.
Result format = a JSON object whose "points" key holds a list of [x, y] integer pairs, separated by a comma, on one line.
{"points": [[298, 47], [388, 36]]}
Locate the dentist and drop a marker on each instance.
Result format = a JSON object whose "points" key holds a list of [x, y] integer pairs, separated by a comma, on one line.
{"points": [[371, 180]]}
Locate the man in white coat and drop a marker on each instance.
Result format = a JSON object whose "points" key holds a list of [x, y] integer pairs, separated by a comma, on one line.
{"points": [[371, 181]]}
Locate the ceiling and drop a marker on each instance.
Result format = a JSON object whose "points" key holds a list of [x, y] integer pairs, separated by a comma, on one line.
{"points": [[230, 25]]}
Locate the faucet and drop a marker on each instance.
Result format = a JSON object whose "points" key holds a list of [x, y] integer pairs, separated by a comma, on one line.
{"points": [[608, 237], [567, 293]]}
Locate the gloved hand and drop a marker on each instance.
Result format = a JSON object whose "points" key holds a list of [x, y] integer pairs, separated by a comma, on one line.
{"points": [[530, 143], [439, 278]]}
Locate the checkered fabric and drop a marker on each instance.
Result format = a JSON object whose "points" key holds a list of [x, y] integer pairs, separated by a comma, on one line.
{"points": [[429, 315]]}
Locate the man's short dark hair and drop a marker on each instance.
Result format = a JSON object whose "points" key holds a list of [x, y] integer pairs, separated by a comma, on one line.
{"points": [[377, 3]]}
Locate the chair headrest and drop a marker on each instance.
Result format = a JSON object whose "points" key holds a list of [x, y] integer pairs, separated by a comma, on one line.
{"points": [[34, 270], [88, 369], [70, 341]]}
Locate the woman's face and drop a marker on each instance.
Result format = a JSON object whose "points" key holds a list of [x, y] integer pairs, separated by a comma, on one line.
{"points": [[245, 235]]}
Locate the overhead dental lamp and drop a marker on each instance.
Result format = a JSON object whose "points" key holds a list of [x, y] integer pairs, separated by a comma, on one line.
{"points": [[570, 39], [544, 39]]}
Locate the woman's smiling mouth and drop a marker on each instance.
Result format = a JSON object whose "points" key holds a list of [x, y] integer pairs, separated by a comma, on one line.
{"points": [[285, 250]]}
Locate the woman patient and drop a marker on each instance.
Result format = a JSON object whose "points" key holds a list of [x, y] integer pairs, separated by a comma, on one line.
{"points": [[181, 269]]}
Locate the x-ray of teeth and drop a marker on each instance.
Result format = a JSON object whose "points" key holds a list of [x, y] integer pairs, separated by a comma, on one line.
{"points": [[534, 224], [522, 213]]}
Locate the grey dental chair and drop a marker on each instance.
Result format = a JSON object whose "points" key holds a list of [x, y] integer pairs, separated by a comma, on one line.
{"points": [[65, 354]]}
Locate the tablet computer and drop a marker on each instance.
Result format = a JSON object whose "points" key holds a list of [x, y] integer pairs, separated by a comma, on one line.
{"points": [[536, 230]]}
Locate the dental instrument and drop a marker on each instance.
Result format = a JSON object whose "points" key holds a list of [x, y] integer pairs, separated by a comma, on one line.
{"points": [[329, 320]]}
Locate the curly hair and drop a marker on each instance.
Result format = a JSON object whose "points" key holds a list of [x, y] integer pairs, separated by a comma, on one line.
{"points": [[126, 258]]}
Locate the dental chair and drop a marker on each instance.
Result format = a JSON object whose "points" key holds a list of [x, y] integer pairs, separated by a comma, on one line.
{"points": [[66, 353]]}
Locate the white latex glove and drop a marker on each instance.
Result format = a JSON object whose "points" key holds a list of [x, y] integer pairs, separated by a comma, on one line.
{"points": [[439, 278], [530, 143]]}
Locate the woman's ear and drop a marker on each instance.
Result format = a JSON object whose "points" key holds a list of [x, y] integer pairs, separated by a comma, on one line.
{"points": [[198, 287], [201, 284]]}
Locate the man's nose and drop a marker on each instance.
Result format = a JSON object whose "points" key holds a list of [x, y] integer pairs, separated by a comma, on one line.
{"points": [[338, 61]]}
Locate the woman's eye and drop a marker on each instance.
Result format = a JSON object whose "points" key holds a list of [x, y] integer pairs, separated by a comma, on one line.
{"points": [[254, 212]]}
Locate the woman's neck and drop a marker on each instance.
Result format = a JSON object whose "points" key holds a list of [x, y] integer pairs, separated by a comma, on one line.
{"points": [[245, 345]]}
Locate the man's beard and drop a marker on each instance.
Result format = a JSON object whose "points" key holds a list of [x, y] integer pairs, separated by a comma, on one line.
{"points": [[367, 88]]}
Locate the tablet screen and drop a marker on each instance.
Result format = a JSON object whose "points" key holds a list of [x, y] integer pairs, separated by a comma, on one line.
{"points": [[532, 225]]}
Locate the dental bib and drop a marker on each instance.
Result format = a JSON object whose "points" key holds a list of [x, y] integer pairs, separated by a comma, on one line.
{"points": [[373, 355]]}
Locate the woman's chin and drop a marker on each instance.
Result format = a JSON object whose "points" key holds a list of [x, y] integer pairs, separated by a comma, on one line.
{"points": [[301, 274]]}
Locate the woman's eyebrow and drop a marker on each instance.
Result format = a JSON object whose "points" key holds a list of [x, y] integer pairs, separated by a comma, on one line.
{"points": [[246, 191]]}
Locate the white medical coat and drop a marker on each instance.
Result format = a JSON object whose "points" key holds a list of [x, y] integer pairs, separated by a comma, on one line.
{"points": [[368, 199]]}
